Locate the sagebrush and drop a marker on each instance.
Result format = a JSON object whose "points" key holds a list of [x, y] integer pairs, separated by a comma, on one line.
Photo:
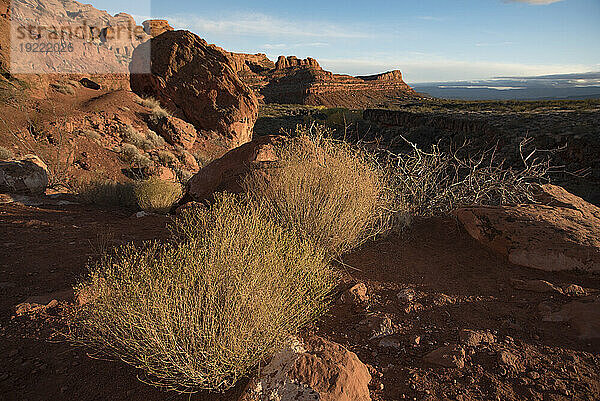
{"points": [[203, 310], [331, 192]]}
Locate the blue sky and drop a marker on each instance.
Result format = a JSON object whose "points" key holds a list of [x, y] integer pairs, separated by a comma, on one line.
{"points": [[429, 40]]}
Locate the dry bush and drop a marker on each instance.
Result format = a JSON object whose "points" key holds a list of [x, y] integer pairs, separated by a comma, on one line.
{"points": [[331, 192], [108, 193], [149, 102], [5, 153], [128, 152], [435, 182], [92, 135], [65, 87], [166, 158], [156, 140], [204, 310], [133, 136], [157, 196]]}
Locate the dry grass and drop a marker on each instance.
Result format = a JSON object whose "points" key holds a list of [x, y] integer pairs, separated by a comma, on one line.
{"points": [[331, 192], [108, 193], [202, 311], [65, 87], [157, 196], [5, 154]]}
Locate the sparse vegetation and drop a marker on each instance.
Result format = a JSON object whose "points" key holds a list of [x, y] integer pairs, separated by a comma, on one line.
{"points": [[128, 153], [108, 193], [166, 158], [332, 193], [5, 153], [201, 312], [92, 135], [65, 87], [156, 140], [157, 196]]}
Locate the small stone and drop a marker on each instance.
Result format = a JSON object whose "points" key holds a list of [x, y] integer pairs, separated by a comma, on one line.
{"points": [[473, 338], [533, 375], [357, 294], [452, 356], [406, 295]]}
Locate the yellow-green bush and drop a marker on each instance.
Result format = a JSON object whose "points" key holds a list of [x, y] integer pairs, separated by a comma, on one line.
{"points": [[204, 310], [331, 192], [156, 195]]}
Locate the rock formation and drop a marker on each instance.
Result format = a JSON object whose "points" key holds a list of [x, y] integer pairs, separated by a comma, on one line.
{"points": [[224, 174], [101, 43], [155, 27], [561, 233], [293, 80], [197, 82]]}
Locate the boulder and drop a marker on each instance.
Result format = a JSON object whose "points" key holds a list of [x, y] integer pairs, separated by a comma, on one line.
{"points": [[198, 82], [174, 130], [562, 232], [316, 369], [26, 176], [226, 173]]}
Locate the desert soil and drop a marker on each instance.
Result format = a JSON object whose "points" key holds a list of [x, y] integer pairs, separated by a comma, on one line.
{"points": [[453, 281]]}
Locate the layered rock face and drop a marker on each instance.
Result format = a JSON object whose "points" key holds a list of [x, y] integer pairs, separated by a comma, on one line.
{"points": [[303, 81], [100, 43], [196, 81]]}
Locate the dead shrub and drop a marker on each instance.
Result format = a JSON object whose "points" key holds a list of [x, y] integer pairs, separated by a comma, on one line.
{"points": [[436, 182], [204, 310]]}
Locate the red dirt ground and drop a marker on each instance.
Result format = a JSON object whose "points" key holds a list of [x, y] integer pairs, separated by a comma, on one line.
{"points": [[458, 285]]}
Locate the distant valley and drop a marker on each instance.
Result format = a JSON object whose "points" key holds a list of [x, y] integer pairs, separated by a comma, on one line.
{"points": [[546, 87]]}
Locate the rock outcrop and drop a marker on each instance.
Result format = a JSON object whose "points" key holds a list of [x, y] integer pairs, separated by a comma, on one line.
{"points": [[197, 82], [26, 176], [101, 43], [303, 81], [176, 131], [560, 233], [155, 27], [316, 369], [224, 174]]}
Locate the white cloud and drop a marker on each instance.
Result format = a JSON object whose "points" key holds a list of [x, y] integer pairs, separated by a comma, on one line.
{"points": [[533, 2], [266, 25], [429, 69]]}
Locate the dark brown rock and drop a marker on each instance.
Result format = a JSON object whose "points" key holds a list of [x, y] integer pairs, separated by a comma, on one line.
{"points": [[155, 27], [452, 356]]}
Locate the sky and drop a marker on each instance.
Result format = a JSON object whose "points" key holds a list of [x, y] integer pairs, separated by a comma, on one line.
{"points": [[428, 40]]}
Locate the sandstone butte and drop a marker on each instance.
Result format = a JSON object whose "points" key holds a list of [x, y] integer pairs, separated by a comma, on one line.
{"points": [[304, 81]]}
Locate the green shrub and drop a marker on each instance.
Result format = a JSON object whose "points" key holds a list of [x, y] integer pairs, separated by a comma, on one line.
{"points": [[5, 153], [331, 192], [157, 196], [203, 311]]}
